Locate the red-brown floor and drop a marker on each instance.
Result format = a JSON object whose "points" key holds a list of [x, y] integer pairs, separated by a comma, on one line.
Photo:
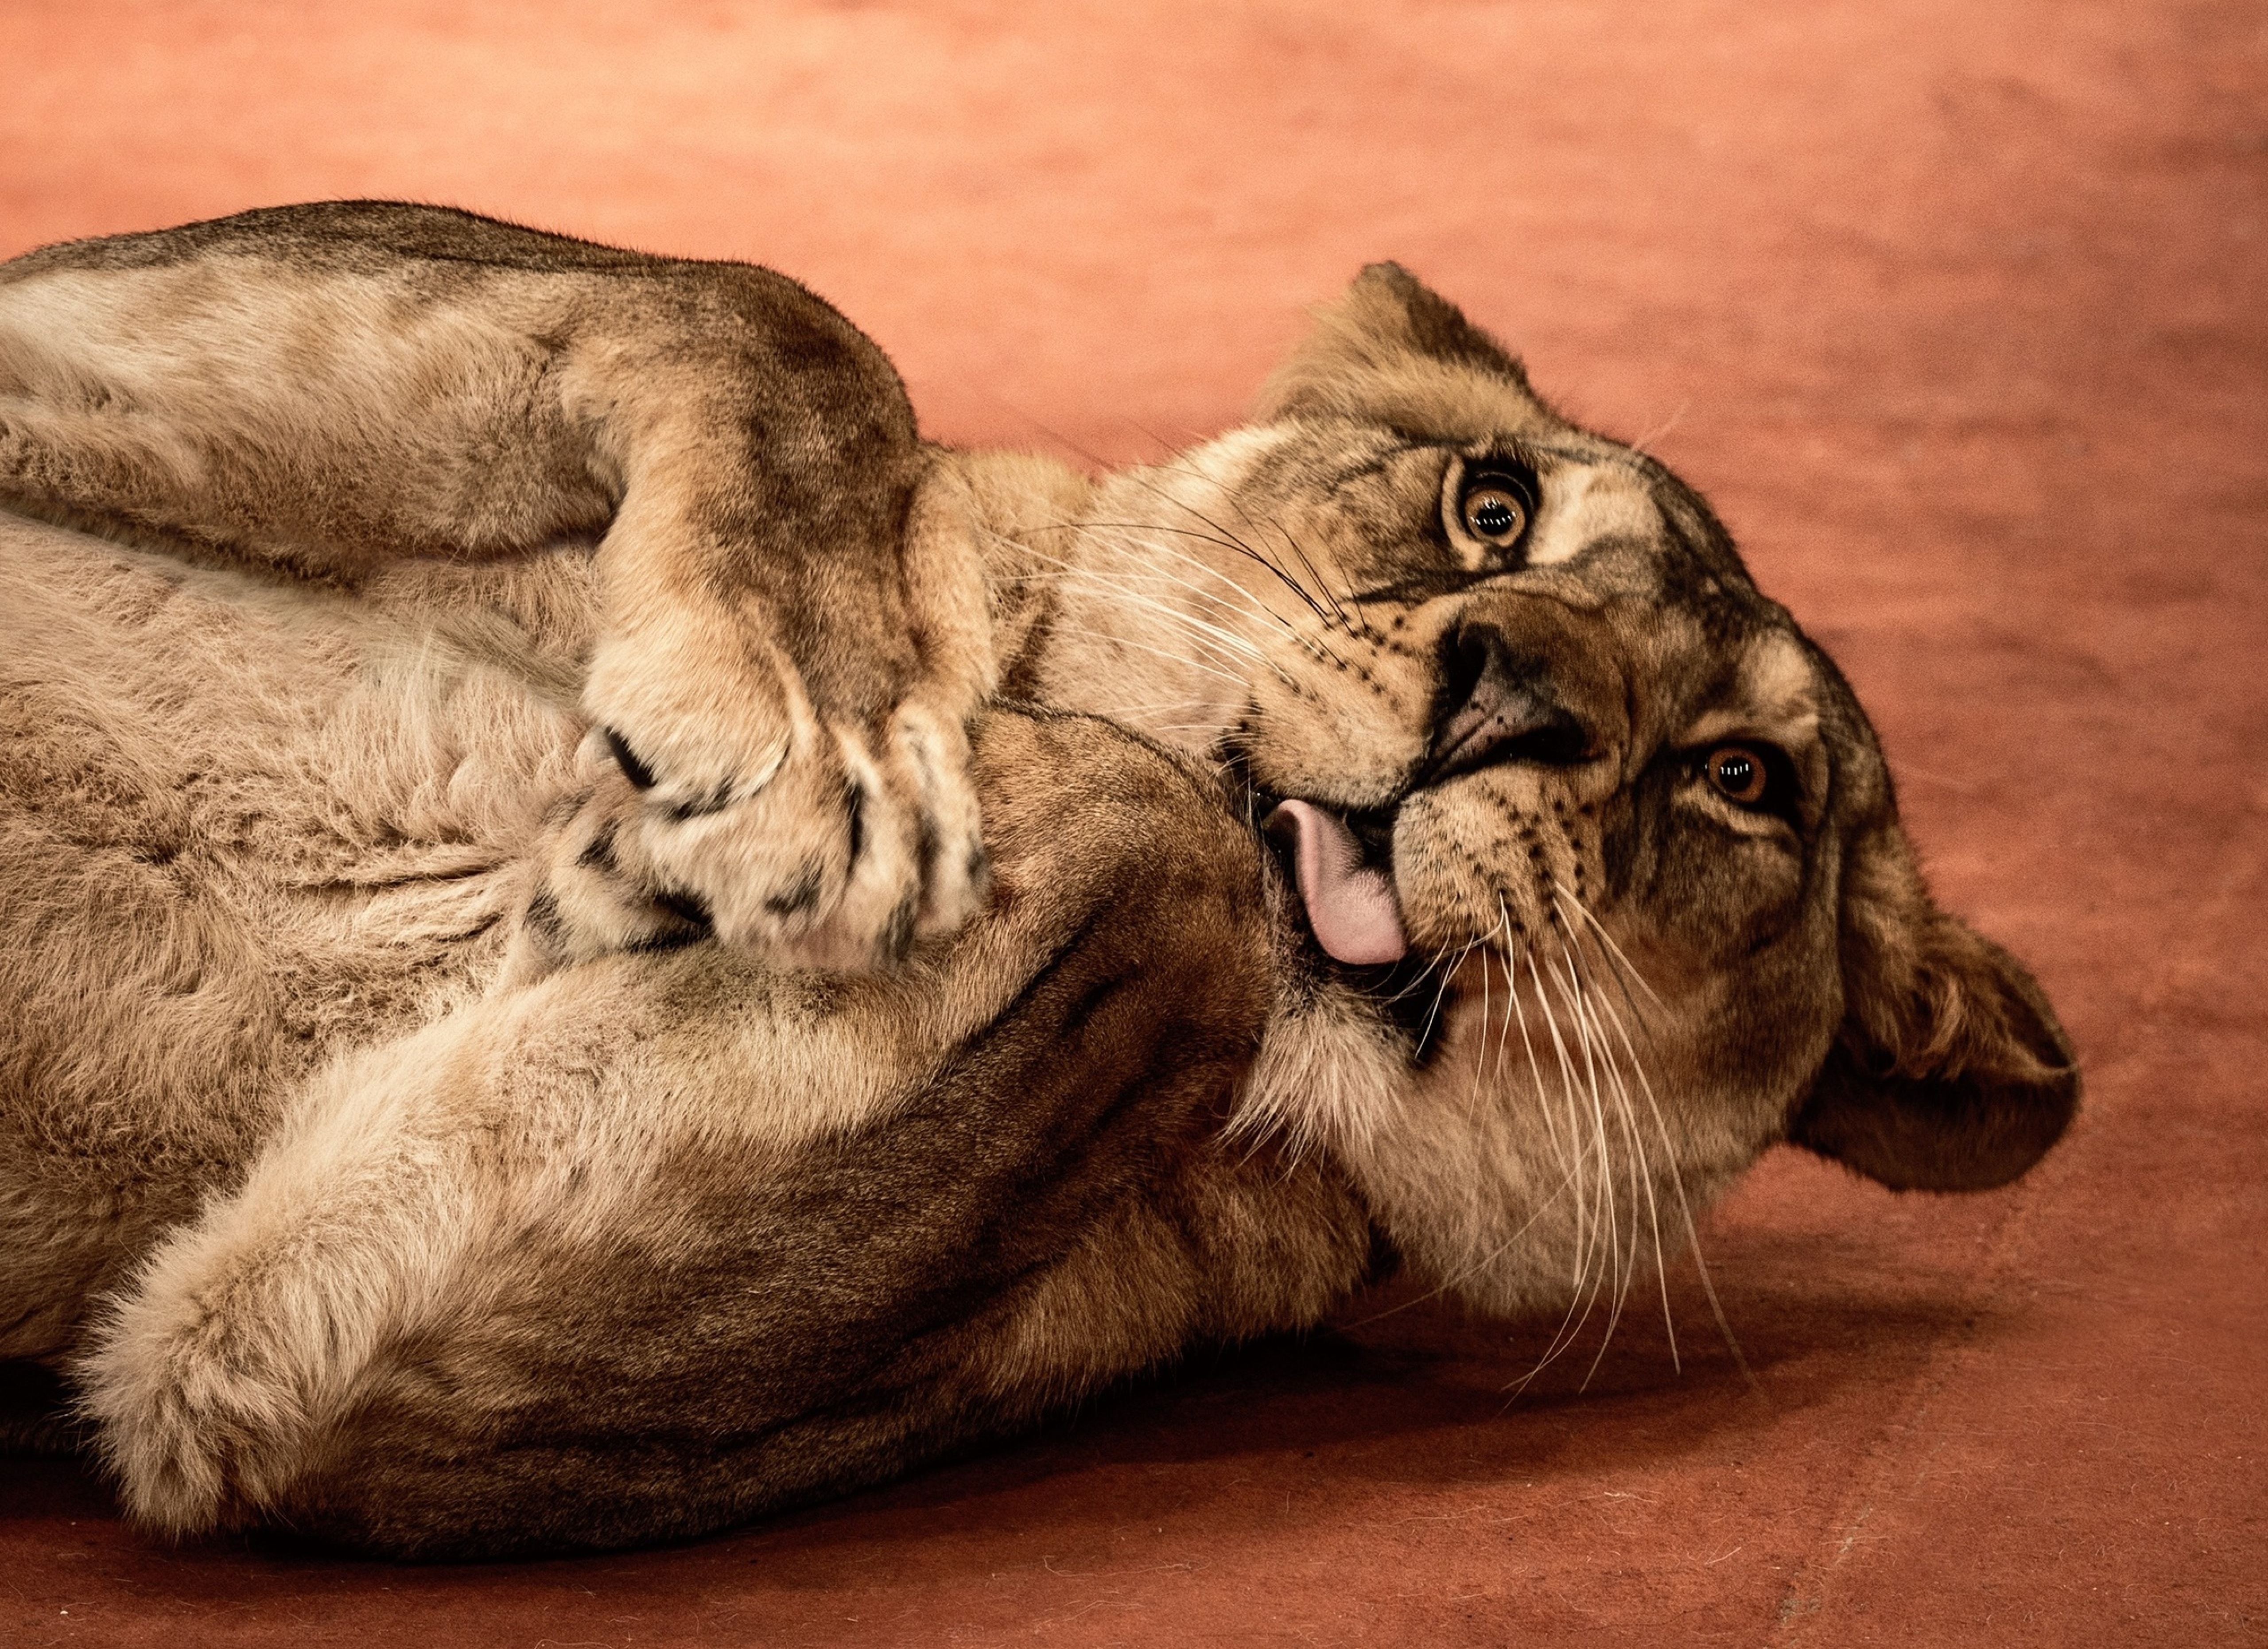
{"points": [[1959, 311]]}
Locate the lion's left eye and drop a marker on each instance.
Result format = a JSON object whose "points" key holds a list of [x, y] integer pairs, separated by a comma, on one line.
{"points": [[1737, 772]]}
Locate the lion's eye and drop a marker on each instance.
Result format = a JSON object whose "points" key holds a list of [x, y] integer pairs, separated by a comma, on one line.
{"points": [[1496, 508], [1737, 773], [1495, 515]]}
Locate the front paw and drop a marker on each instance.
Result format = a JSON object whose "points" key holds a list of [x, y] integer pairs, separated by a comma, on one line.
{"points": [[750, 815], [595, 890]]}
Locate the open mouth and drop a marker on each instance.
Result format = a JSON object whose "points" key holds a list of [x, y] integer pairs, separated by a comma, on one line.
{"points": [[1349, 902], [1339, 863]]}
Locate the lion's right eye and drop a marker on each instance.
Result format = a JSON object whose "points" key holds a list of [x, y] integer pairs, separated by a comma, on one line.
{"points": [[1737, 774]]}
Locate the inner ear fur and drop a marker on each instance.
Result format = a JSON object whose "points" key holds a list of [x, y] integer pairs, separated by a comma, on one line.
{"points": [[1951, 1073], [1391, 349]]}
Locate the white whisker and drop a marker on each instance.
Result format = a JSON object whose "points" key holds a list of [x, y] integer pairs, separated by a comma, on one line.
{"points": [[1684, 1203], [1642, 1171], [1224, 645], [1448, 974], [1663, 427], [1259, 608], [1070, 576], [1624, 1266], [1178, 658], [1230, 541], [1588, 1244], [1605, 938]]}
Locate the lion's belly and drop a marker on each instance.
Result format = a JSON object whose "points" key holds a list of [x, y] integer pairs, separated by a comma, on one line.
{"points": [[241, 827]]}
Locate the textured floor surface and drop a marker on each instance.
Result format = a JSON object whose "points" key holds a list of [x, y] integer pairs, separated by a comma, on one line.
{"points": [[1957, 309]]}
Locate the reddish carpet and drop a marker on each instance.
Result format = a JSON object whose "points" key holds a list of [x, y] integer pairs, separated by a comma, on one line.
{"points": [[1959, 311]]}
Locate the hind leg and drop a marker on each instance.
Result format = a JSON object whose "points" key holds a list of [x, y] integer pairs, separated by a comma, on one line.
{"points": [[244, 1334]]}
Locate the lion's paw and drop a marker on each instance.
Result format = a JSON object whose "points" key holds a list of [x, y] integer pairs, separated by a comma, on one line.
{"points": [[193, 1415], [801, 838]]}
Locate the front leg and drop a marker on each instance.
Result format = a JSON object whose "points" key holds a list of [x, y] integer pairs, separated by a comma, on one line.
{"points": [[793, 634], [794, 733]]}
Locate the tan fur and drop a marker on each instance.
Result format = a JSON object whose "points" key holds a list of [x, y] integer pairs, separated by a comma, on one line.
{"points": [[327, 389], [379, 1157]]}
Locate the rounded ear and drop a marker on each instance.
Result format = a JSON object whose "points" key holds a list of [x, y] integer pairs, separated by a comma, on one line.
{"points": [[1387, 328], [1951, 1073]]}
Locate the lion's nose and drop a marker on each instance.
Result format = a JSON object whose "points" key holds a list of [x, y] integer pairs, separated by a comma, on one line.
{"points": [[1498, 705]]}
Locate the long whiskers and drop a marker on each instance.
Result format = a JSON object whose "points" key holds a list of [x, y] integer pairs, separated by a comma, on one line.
{"points": [[1145, 531], [1212, 641], [1449, 973], [1216, 671], [1249, 605], [1677, 1179], [1622, 1266], [1596, 1236], [1624, 965], [1231, 541], [1503, 935], [1320, 587], [1591, 1002], [1602, 1079]]}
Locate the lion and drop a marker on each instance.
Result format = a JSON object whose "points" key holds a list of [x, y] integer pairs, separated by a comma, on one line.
{"points": [[598, 939]]}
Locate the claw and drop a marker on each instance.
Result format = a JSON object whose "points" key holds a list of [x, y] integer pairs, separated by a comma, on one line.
{"points": [[640, 776]]}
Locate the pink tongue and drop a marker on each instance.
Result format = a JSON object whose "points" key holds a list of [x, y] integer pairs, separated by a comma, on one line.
{"points": [[1351, 908]]}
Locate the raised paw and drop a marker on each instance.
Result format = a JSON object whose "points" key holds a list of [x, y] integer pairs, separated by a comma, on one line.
{"points": [[813, 841]]}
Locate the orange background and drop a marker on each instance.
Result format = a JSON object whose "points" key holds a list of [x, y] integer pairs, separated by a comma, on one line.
{"points": [[1958, 311]]}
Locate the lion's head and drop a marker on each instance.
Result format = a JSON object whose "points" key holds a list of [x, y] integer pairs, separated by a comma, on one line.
{"points": [[1592, 857]]}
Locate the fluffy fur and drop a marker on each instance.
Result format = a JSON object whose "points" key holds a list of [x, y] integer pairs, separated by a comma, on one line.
{"points": [[419, 1127]]}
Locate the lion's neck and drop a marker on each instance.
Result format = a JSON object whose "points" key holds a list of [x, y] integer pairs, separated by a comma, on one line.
{"points": [[1098, 603], [1030, 515]]}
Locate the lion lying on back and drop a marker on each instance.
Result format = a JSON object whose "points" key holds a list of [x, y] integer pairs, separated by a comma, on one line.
{"points": [[595, 939]]}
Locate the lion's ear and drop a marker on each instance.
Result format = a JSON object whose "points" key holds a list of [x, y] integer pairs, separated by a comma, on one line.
{"points": [[1388, 324], [1951, 1073]]}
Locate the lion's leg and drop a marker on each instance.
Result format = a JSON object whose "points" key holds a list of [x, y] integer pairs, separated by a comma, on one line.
{"points": [[245, 1333], [642, 862], [659, 1241], [316, 421], [792, 640]]}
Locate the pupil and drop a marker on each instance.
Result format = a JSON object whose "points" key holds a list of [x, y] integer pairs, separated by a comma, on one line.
{"points": [[1493, 517], [1734, 772]]}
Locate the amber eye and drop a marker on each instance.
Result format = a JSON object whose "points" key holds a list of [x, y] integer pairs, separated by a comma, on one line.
{"points": [[1737, 773], [1496, 508]]}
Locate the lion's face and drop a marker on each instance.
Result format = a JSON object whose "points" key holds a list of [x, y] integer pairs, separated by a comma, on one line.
{"points": [[1597, 868]]}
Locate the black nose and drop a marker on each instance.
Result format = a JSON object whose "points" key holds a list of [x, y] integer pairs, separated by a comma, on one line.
{"points": [[1498, 705]]}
